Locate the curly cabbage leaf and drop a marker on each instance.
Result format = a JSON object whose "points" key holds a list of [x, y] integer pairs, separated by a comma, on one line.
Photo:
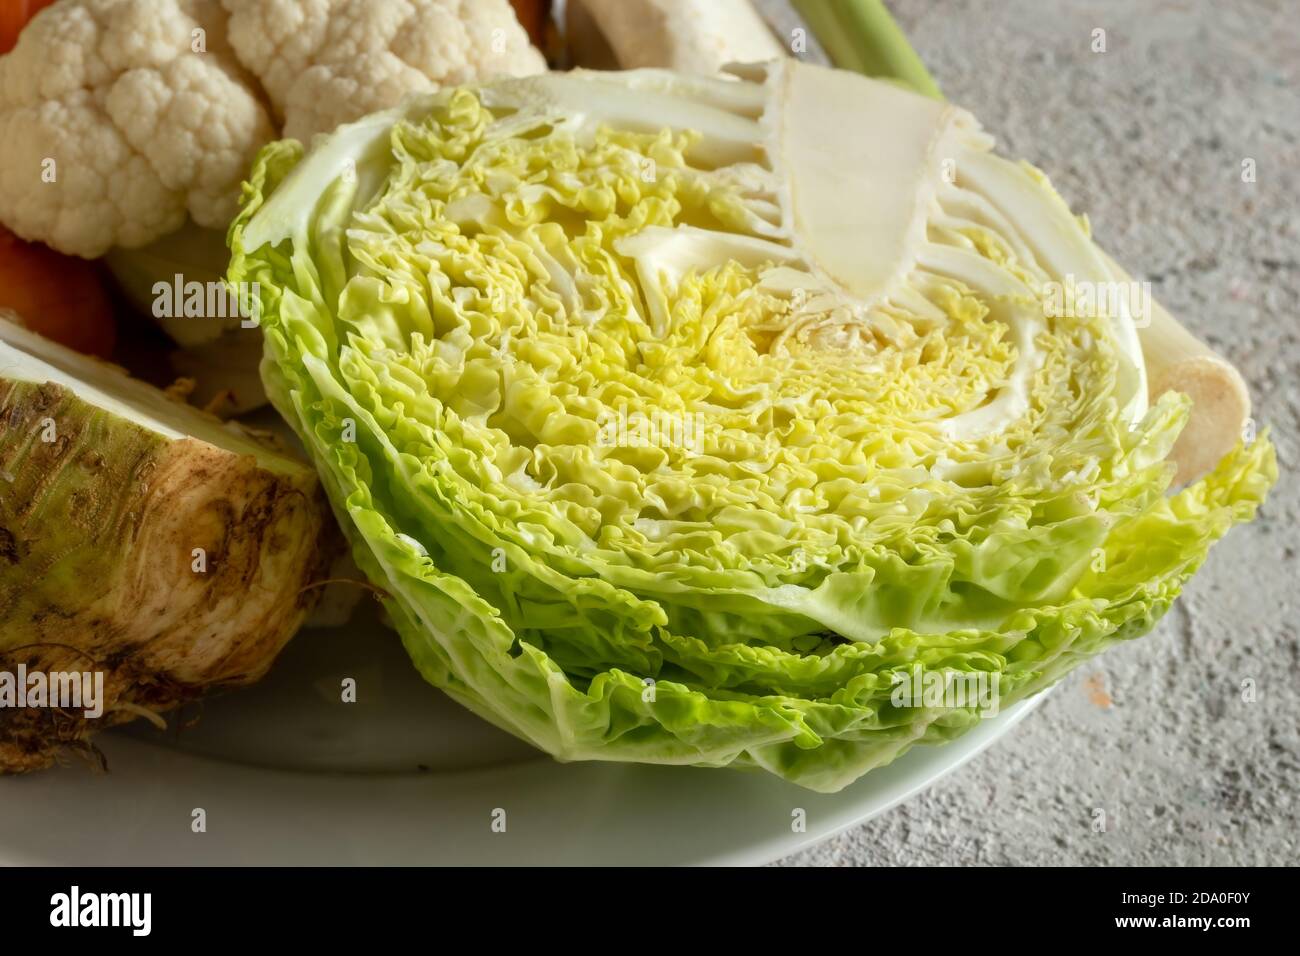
{"points": [[687, 420]]}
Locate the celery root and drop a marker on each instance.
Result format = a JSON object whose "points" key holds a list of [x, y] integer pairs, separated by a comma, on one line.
{"points": [[140, 539]]}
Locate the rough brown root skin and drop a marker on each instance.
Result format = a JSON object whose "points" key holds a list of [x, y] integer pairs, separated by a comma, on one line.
{"points": [[169, 565]]}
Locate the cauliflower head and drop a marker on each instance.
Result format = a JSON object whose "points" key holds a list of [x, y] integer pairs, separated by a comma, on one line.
{"points": [[118, 118], [328, 62]]}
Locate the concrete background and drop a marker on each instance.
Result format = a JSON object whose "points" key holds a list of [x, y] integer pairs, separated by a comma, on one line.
{"points": [[1148, 138]]}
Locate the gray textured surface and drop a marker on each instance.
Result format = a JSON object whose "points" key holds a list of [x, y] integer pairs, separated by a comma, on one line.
{"points": [[1148, 139]]}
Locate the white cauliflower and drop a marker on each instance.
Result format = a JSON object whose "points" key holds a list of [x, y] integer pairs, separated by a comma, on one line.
{"points": [[327, 62], [120, 118]]}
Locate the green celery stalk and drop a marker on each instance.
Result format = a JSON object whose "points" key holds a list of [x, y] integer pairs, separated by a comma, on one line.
{"points": [[860, 35]]}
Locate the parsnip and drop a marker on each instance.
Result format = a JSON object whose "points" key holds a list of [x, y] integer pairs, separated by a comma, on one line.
{"points": [[1177, 360], [691, 36]]}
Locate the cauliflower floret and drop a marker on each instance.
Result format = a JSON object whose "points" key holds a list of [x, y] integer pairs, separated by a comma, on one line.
{"points": [[327, 62], [120, 117]]}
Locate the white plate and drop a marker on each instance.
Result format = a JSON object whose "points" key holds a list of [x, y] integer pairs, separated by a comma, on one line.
{"points": [[286, 773]]}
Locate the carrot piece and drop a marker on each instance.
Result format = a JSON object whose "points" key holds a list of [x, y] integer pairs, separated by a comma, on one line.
{"points": [[14, 15], [57, 296], [533, 15]]}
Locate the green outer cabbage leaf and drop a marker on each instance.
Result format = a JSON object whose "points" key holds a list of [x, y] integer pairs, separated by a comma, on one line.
{"points": [[465, 300]]}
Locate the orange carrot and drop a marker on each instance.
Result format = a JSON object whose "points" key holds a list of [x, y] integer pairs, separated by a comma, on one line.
{"points": [[533, 15], [58, 296], [14, 15]]}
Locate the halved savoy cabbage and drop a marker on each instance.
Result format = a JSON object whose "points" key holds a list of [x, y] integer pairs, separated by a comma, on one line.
{"points": [[686, 420]]}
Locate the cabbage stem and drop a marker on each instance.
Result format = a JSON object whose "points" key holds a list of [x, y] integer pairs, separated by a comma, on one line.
{"points": [[860, 35]]}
